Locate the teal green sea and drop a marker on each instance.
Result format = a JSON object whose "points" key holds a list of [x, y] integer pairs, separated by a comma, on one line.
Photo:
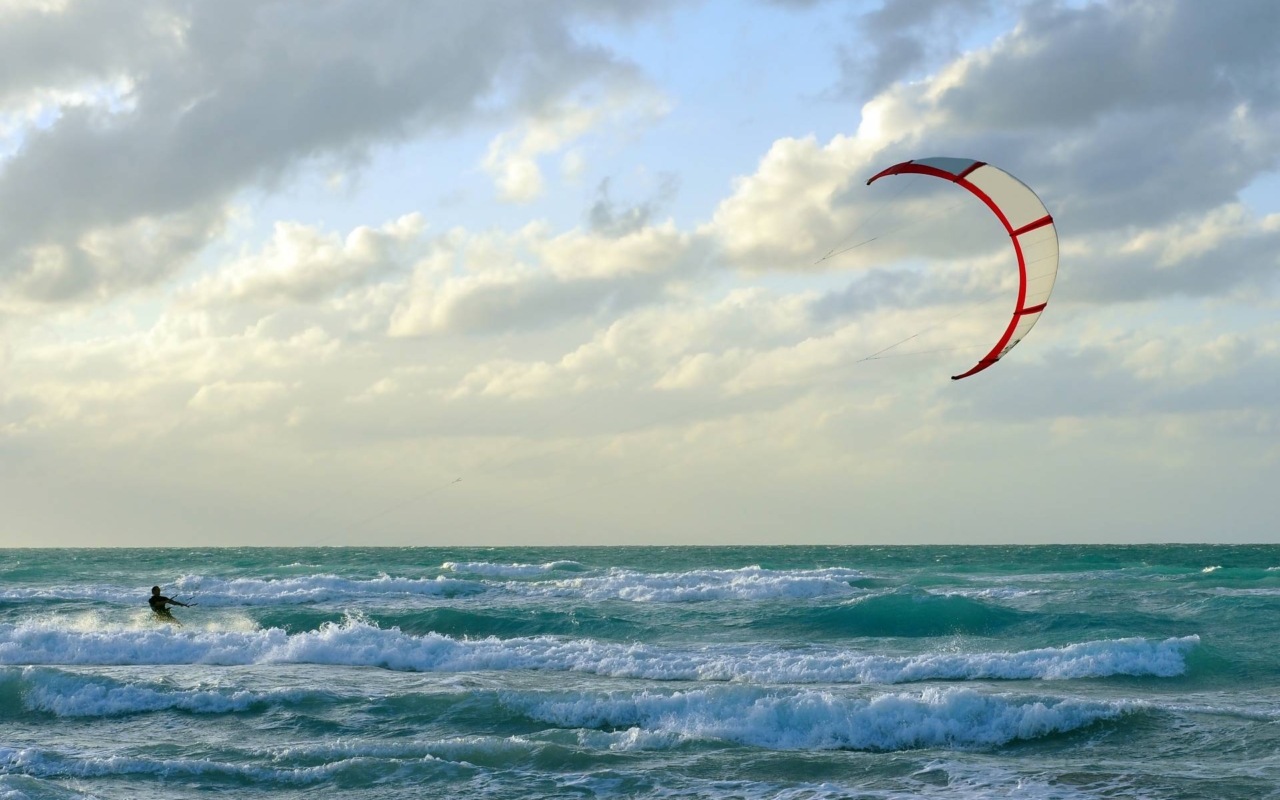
{"points": [[682, 672]]}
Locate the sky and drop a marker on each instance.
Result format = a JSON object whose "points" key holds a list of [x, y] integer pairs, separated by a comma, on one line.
{"points": [[365, 272]]}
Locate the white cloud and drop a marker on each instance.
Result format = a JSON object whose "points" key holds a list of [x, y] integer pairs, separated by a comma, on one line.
{"points": [[534, 278], [301, 263], [383, 388], [1187, 239], [234, 400], [677, 346]]}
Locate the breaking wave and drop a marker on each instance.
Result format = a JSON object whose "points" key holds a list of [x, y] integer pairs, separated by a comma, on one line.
{"points": [[358, 643], [748, 583], [817, 720], [488, 569], [64, 694], [209, 591]]}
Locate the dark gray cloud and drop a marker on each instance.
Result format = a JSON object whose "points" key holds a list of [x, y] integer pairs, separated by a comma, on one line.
{"points": [[1124, 116], [896, 16], [606, 217], [1130, 112], [1123, 113], [87, 42], [245, 94], [901, 36], [1070, 65]]}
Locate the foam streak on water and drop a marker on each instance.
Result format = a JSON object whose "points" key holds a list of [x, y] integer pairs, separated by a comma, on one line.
{"points": [[1063, 672]]}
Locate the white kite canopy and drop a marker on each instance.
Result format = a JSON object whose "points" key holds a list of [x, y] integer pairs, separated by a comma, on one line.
{"points": [[1030, 227]]}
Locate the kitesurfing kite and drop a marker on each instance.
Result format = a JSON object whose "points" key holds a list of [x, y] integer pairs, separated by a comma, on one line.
{"points": [[1030, 227]]}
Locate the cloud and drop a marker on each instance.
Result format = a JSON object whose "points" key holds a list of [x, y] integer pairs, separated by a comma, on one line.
{"points": [[902, 35], [783, 214], [173, 378], [609, 219], [646, 348], [1070, 101], [232, 400], [535, 279], [806, 201], [749, 341], [301, 264], [55, 50], [382, 388], [979, 280], [1109, 80], [1132, 55], [1141, 371], [108, 260], [232, 94], [1218, 253]]}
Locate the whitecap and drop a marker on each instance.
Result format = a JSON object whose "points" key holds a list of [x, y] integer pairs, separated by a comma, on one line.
{"points": [[359, 643], [748, 583], [821, 720], [489, 569]]}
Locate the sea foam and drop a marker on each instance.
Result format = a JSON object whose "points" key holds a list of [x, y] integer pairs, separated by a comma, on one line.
{"points": [[316, 589], [748, 583], [358, 643], [66, 694], [488, 569], [819, 720], [42, 763], [208, 591]]}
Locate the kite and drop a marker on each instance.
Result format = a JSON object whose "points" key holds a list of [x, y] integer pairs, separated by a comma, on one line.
{"points": [[1029, 225]]}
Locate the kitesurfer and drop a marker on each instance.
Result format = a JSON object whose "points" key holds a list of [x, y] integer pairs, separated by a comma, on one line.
{"points": [[159, 605]]}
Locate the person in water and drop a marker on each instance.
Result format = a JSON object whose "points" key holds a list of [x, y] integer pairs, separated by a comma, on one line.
{"points": [[159, 605]]}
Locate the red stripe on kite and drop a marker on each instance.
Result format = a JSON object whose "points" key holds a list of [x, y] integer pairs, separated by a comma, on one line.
{"points": [[1031, 226], [1033, 309], [917, 169]]}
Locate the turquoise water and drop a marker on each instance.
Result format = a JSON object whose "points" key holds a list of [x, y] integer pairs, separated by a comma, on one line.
{"points": [[755, 672]]}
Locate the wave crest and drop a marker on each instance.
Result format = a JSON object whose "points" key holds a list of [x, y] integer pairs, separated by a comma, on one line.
{"points": [[747, 583], [814, 720], [489, 569], [358, 643]]}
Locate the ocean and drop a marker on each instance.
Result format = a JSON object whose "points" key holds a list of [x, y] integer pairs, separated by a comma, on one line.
{"points": [[803, 673]]}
